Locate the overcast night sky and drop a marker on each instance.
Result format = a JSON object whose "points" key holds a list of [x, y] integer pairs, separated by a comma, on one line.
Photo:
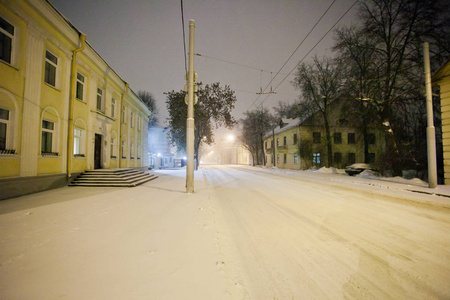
{"points": [[142, 41]]}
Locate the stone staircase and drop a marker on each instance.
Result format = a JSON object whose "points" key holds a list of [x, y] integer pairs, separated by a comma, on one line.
{"points": [[125, 177]]}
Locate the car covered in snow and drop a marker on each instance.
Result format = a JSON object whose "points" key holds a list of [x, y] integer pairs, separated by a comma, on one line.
{"points": [[357, 168]]}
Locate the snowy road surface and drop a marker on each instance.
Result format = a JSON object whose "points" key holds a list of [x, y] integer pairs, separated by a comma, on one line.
{"points": [[244, 234]]}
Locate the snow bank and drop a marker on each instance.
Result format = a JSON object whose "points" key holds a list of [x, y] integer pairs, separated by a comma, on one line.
{"points": [[327, 170]]}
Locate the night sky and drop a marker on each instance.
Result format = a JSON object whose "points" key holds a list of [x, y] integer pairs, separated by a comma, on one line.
{"points": [[142, 41]]}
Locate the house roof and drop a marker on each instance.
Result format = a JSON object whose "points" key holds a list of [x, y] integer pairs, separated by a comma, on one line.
{"points": [[442, 72]]}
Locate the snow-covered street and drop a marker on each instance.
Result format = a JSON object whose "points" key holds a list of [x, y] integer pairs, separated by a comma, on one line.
{"points": [[246, 233]]}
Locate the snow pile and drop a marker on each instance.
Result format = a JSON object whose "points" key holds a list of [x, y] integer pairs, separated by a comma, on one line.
{"points": [[327, 170], [369, 174]]}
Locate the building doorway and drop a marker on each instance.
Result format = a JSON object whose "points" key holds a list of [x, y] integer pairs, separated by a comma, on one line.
{"points": [[98, 151]]}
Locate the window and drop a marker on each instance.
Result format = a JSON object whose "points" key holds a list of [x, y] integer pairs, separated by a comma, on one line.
{"points": [[337, 157], [123, 148], [138, 125], [80, 87], [131, 150], [316, 158], [99, 99], [48, 130], [6, 41], [79, 138], [113, 108], [138, 151], [4, 124], [295, 139], [337, 138], [124, 114], [271, 144], [316, 137], [284, 141], [278, 158], [285, 158], [295, 158], [132, 119], [351, 158], [113, 147], [370, 138], [51, 65], [351, 138], [278, 142]]}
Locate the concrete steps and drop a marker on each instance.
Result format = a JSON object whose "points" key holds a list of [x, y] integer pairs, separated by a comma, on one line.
{"points": [[126, 177]]}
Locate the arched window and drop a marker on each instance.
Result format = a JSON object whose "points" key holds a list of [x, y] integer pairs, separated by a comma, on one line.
{"points": [[113, 144], [8, 116], [79, 138], [50, 132]]}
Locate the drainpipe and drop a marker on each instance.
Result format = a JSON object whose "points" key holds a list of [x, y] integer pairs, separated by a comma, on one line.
{"points": [[73, 81], [120, 122]]}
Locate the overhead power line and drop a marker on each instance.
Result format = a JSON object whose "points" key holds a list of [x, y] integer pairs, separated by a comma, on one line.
{"points": [[234, 63], [301, 43], [184, 36], [312, 49]]}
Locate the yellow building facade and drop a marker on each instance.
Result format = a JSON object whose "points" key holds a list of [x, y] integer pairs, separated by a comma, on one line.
{"points": [[63, 109], [442, 79], [301, 143]]}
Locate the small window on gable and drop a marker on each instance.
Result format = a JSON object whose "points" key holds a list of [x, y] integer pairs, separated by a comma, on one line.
{"points": [[316, 137], [6, 41], [51, 68]]}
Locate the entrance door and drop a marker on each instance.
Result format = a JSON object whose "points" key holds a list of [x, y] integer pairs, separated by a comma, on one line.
{"points": [[98, 151]]}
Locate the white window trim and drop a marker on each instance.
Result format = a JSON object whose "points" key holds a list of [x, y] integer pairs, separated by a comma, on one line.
{"points": [[57, 69], [102, 99], [113, 107], [54, 135], [132, 119], [9, 123], [124, 114], [13, 41], [83, 83], [138, 124], [82, 141]]}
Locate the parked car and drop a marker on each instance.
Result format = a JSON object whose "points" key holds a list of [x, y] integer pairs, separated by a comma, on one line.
{"points": [[357, 168]]}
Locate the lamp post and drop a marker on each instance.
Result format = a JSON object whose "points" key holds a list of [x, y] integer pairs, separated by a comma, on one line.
{"points": [[190, 115], [431, 138]]}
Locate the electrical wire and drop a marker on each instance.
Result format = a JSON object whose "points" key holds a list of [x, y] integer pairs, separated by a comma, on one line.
{"points": [[234, 63], [311, 49], [184, 37], [301, 43]]}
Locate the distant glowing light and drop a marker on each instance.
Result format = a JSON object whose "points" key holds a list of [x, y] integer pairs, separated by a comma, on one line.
{"points": [[159, 154], [230, 138], [184, 157]]}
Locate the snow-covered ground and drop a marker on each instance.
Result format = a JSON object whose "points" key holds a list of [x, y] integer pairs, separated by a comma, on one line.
{"points": [[246, 233]]}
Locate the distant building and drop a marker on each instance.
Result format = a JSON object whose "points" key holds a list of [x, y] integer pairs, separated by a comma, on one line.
{"points": [[63, 109], [442, 79], [160, 152], [300, 143]]}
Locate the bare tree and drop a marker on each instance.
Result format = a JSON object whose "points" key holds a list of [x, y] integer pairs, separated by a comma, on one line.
{"points": [[320, 83]]}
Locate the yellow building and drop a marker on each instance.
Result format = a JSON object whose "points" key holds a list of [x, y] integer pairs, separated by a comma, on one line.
{"points": [[301, 143], [442, 79], [63, 109]]}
